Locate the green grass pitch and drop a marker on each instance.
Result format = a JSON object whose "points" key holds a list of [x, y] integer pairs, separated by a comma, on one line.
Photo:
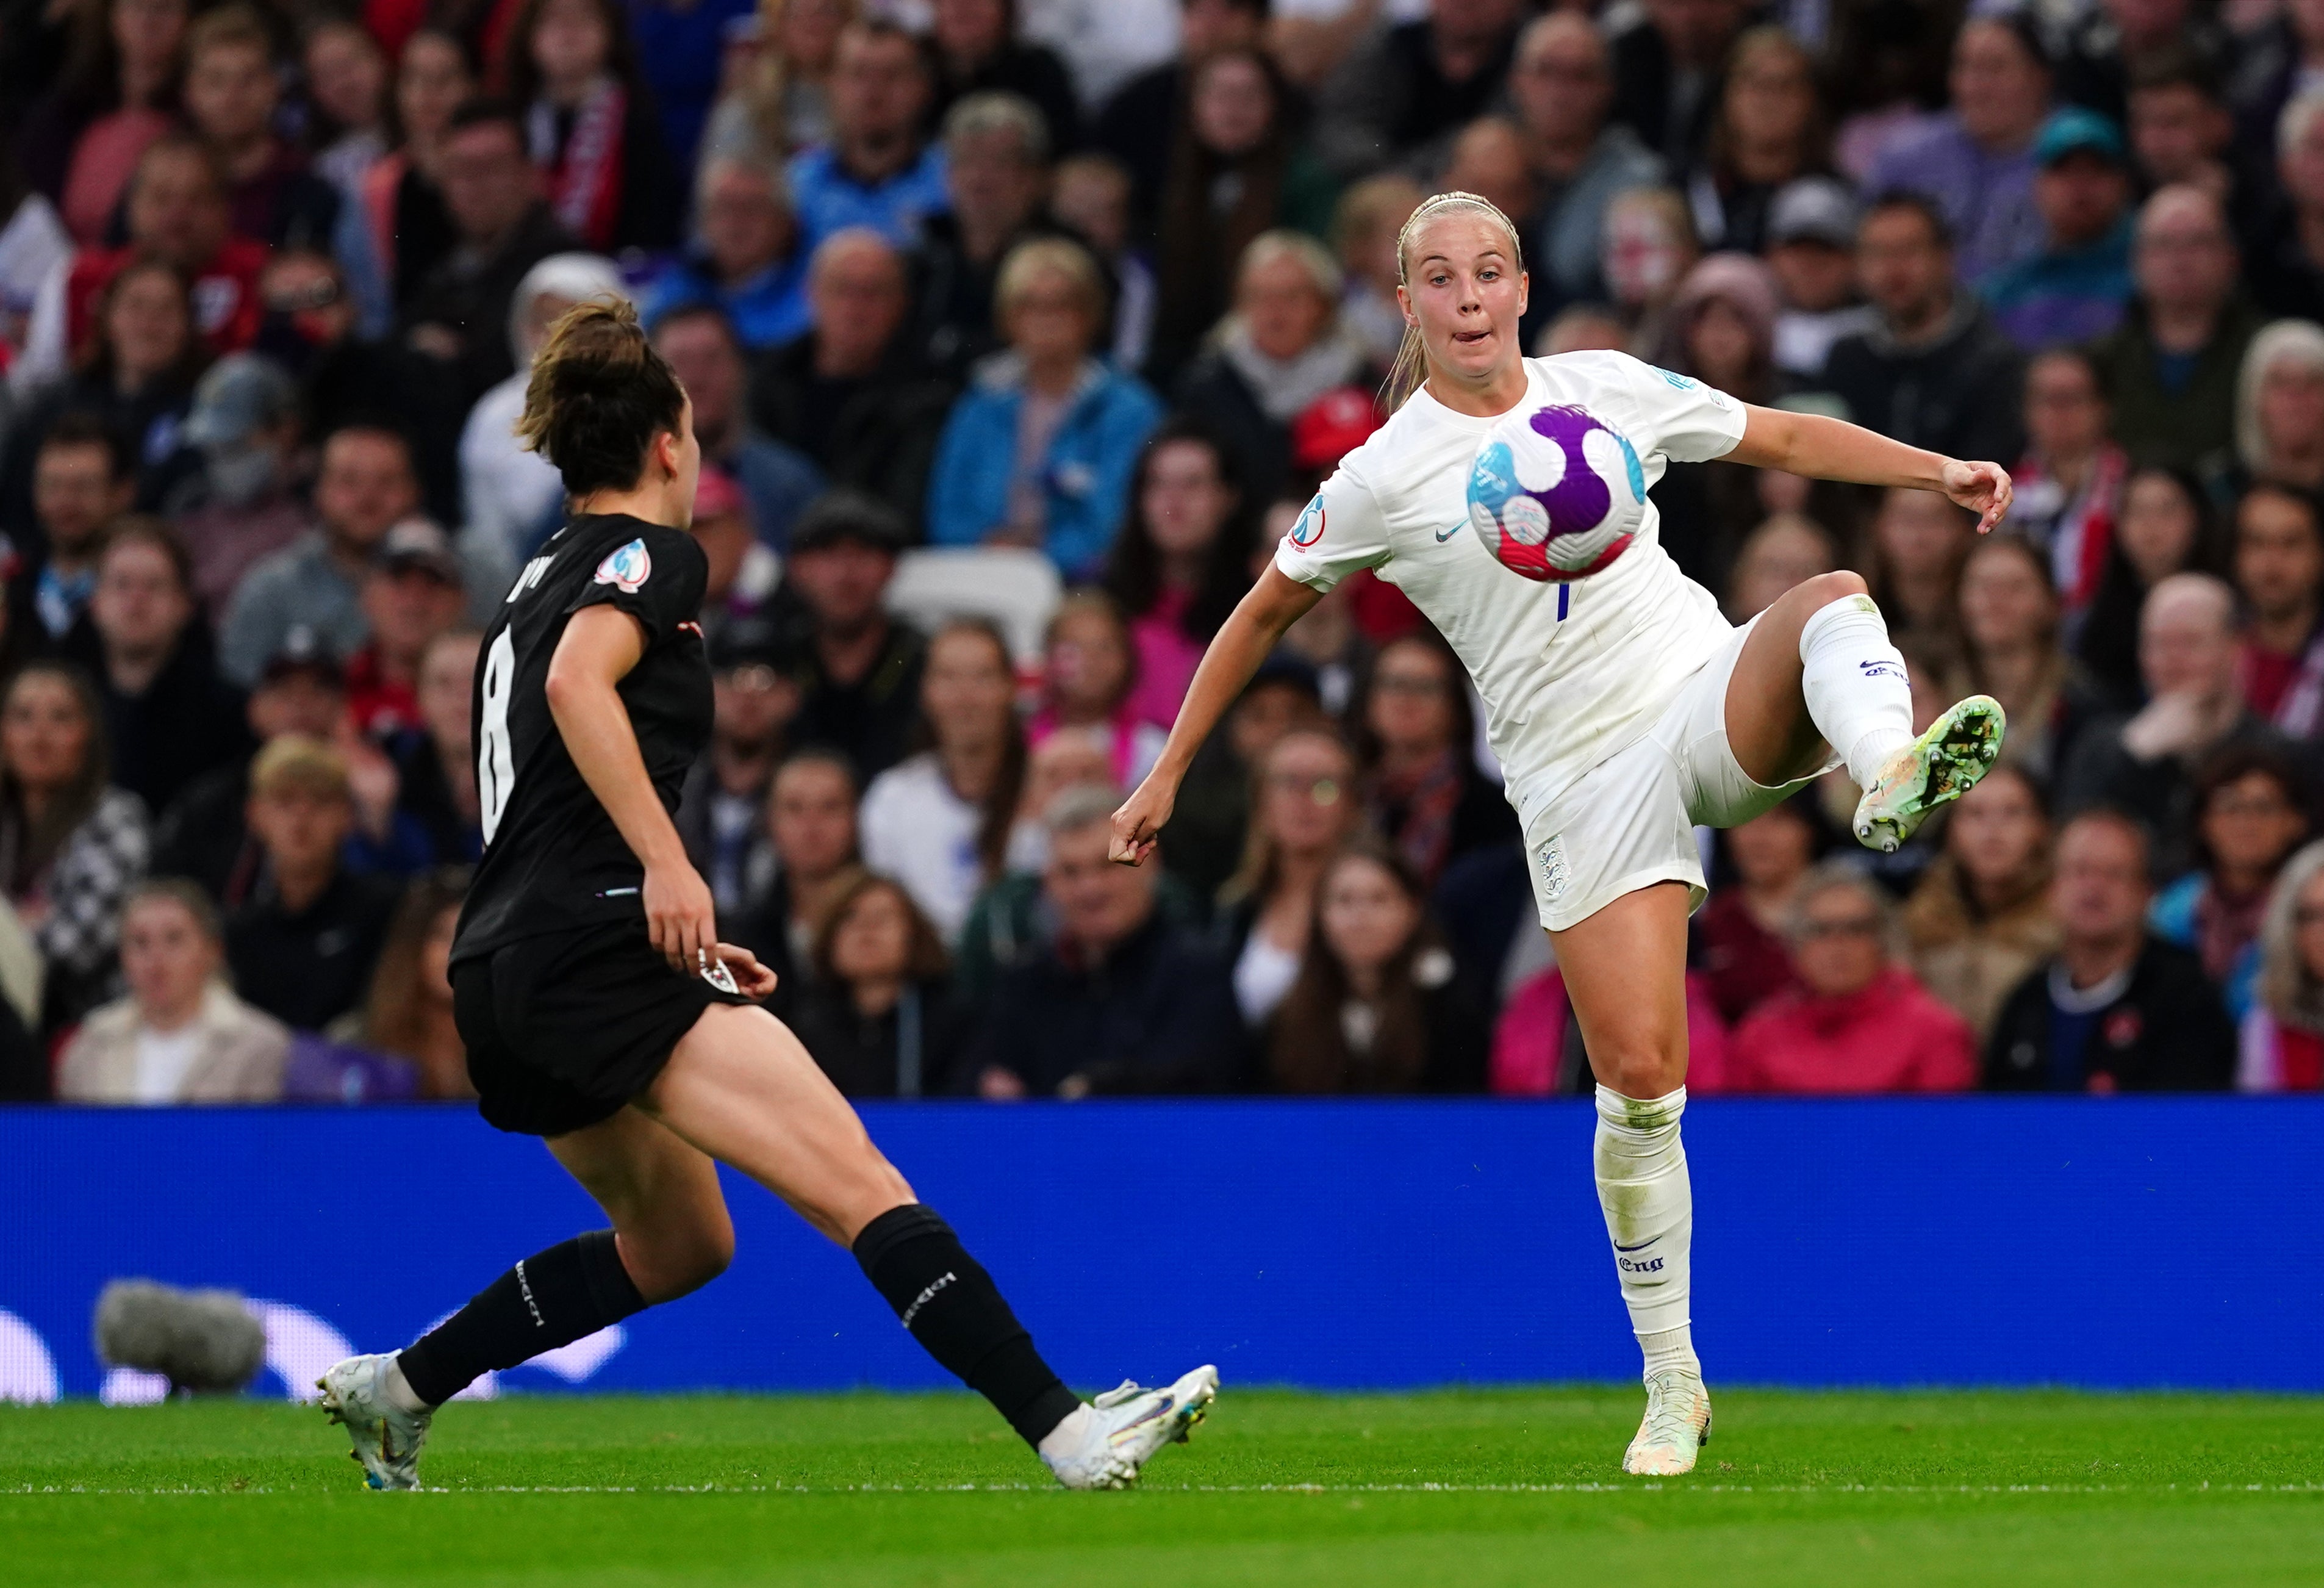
{"points": [[1481, 1487]]}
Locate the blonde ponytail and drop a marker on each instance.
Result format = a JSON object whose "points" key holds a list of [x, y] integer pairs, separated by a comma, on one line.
{"points": [[1410, 370]]}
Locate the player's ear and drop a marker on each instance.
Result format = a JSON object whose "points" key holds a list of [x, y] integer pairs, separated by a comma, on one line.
{"points": [[1525, 291], [1404, 306]]}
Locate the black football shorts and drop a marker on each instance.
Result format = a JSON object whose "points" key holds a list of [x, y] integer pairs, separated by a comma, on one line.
{"points": [[563, 1030]]}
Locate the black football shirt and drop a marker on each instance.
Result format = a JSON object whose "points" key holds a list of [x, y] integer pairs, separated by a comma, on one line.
{"points": [[553, 859]]}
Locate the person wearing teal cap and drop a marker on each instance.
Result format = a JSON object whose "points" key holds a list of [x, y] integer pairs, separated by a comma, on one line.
{"points": [[2078, 286]]}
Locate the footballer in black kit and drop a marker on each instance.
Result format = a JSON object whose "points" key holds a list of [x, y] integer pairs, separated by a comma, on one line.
{"points": [[566, 1009]]}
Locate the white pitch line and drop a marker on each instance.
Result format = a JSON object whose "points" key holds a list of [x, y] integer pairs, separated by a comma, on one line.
{"points": [[1292, 1489]]}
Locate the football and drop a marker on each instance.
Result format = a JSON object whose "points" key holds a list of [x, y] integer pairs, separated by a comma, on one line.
{"points": [[1556, 493]]}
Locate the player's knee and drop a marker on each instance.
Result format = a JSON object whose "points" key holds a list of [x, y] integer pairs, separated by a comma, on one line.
{"points": [[1641, 1066], [1838, 586]]}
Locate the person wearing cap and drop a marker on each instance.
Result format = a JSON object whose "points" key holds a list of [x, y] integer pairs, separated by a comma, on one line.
{"points": [[240, 509], [725, 793], [1812, 249], [858, 669], [2077, 288], [303, 943], [411, 594], [366, 484], [777, 481]]}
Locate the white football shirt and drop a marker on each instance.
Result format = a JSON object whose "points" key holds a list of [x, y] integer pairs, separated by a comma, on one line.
{"points": [[1571, 673]]}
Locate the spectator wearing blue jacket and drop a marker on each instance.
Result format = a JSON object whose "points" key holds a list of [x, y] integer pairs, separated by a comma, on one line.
{"points": [[879, 170], [747, 259], [1039, 450], [2078, 287]]}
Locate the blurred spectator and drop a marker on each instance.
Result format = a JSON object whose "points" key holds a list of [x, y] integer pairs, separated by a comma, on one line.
{"points": [[1087, 676], [2076, 287], [81, 139], [2116, 1010], [458, 314], [2171, 368], [71, 844], [169, 717], [1668, 56], [810, 823], [1645, 249], [876, 170], [747, 258], [1236, 171], [1975, 159], [1769, 130], [1414, 82], [1103, 42], [1857, 1021], [1211, 830], [2181, 129], [1787, 549], [1537, 1049], [2104, 51], [1811, 236], [365, 486], [977, 52], [938, 822], [412, 229], [511, 498], [1489, 158], [304, 943], [2069, 482], [180, 1035], [233, 89], [744, 575], [2279, 572], [2287, 267], [313, 326], [572, 70], [858, 670], [1139, 124], [409, 594], [80, 483], [1038, 451], [2277, 56], [2282, 1043], [1422, 785], [1120, 1001], [996, 175], [680, 47], [1738, 934], [1919, 542], [408, 1012], [2164, 531], [1364, 228], [1562, 89], [1720, 330], [2143, 763], [878, 1016], [1182, 561], [849, 393], [301, 690], [2280, 409], [780, 100], [2009, 631], [436, 767], [1279, 353], [2249, 816], [346, 91], [1303, 808], [1089, 196], [1377, 1005], [722, 805], [1326, 638], [177, 214], [33, 247], [777, 481], [1936, 372], [1980, 920], [243, 505]]}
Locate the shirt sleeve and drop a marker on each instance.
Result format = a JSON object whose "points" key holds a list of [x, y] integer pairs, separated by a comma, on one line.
{"points": [[657, 578], [1341, 532], [1685, 419]]}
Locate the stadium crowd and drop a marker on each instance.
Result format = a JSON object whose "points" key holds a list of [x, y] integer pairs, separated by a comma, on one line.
{"points": [[1017, 332]]}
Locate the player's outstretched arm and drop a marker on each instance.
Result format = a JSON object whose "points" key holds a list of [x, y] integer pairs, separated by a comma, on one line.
{"points": [[1821, 448], [1257, 624], [599, 647]]}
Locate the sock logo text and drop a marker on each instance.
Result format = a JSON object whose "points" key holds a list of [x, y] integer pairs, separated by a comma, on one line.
{"points": [[922, 1298]]}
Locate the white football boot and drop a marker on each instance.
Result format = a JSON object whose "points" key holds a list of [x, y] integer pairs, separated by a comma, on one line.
{"points": [[1676, 1426], [1935, 769], [1123, 1429], [386, 1441]]}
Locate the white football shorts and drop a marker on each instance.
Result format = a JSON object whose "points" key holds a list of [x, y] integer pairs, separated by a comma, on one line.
{"points": [[1629, 822]]}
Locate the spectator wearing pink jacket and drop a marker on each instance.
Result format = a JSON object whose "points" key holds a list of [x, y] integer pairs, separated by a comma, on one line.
{"points": [[1861, 1023], [1530, 1059]]}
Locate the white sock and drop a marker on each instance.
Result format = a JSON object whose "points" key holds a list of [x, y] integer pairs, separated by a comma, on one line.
{"points": [[1857, 689], [397, 1390], [1649, 1206], [1065, 1438]]}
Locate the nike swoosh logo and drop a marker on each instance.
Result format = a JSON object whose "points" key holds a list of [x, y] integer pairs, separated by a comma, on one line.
{"points": [[1444, 535], [1641, 1246]]}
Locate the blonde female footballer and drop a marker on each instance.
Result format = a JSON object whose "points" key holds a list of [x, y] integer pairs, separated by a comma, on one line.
{"points": [[1624, 707]]}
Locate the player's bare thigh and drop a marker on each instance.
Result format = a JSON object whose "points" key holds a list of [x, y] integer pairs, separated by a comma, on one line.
{"points": [[1768, 727], [741, 1088], [671, 1222], [1625, 969]]}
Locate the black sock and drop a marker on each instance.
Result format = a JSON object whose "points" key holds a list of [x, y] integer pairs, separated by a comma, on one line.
{"points": [[953, 1309], [551, 1299]]}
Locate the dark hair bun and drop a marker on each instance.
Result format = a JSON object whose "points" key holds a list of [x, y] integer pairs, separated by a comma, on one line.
{"points": [[598, 395]]}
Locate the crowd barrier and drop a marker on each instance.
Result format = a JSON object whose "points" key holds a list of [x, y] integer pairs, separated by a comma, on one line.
{"points": [[2118, 1242]]}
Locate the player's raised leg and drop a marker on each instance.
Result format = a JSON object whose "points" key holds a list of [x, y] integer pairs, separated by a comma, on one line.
{"points": [[1820, 669], [1618, 966]]}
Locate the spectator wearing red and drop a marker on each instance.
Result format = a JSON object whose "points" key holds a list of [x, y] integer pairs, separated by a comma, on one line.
{"points": [[1739, 946], [233, 90], [1860, 1022], [2279, 572], [2071, 480], [2282, 1045], [80, 143], [1182, 560], [1979, 918], [591, 127], [1537, 1050]]}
